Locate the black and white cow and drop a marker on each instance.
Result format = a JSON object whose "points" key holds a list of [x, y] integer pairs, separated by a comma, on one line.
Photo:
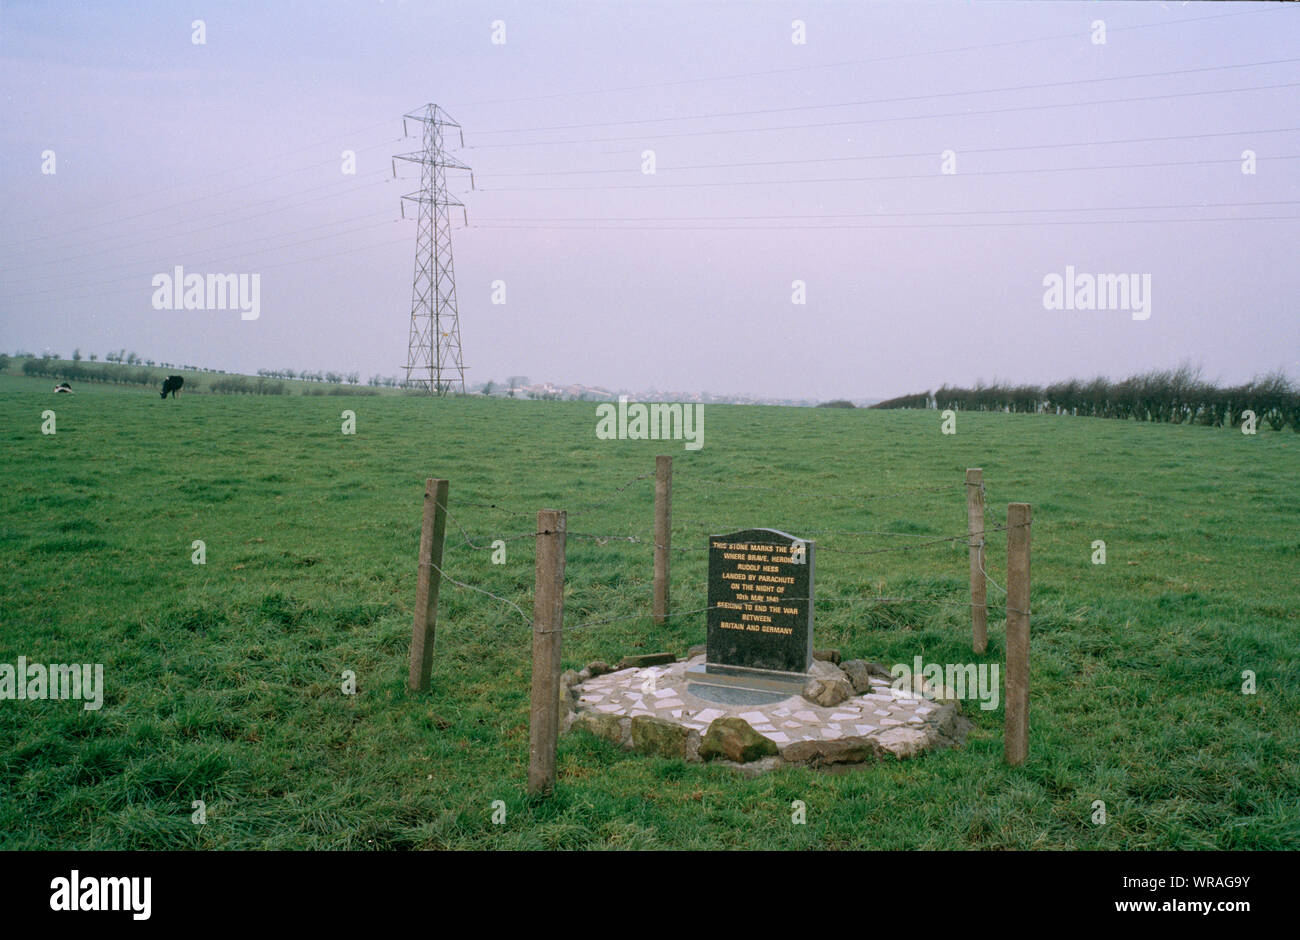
{"points": [[172, 384], [64, 387]]}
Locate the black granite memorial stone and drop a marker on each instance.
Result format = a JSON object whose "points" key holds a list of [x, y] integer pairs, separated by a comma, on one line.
{"points": [[760, 601]]}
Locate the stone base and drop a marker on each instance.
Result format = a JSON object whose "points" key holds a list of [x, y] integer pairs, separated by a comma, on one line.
{"points": [[765, 685], [665, 710], [729, 695]]}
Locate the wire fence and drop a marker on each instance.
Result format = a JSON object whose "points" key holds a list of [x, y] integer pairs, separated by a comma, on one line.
{"points": [[974, 539]]}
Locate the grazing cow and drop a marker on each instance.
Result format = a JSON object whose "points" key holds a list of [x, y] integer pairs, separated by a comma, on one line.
{"points": [[63, 387], [172, 384]]}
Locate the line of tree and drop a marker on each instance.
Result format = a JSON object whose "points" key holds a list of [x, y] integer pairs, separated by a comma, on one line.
{"points": [[103, 372], [1179, 396], [118, 357], [306, 375], [243, 385], [341, 390]]}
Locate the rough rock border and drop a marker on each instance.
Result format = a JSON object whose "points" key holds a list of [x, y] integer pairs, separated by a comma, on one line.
{"points": [[732, 741]]}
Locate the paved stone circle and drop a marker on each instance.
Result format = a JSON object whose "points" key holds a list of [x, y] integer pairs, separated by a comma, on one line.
{"points": [[653, 710]]}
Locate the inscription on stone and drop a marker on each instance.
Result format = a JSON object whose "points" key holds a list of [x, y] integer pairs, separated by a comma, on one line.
{"points": [[760, 601]]}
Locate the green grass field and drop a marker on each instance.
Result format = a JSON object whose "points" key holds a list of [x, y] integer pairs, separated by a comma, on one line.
{"points": [[223, 680]]}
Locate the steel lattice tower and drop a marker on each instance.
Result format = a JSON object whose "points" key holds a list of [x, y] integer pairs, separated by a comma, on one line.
{"points": [[433, 356]]}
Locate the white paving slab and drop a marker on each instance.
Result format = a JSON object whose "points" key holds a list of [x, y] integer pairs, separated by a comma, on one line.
{"points": [[896, 718]]}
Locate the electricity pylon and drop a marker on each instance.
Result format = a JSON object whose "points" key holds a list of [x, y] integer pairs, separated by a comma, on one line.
{"points": [[433, 355]]}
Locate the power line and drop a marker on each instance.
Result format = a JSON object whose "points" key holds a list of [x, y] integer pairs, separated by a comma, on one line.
{"points": [[117, 266], [261, 161], [865, 179], [1076, 34], [619, 224], [922, 153], [782, 228], [189, 202], [257, 215], [349, 251], [885, 120], [352, 250], [33, 294], [872, 215], [868, 101]]}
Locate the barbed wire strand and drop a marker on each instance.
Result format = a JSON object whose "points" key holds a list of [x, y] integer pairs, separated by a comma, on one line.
{"points": [[494, 506], [987, 576], [462, 584], [904, 491], [581, 510], [604, 539], [469, 540], [878, 599], [870, 600], [723, 530]]}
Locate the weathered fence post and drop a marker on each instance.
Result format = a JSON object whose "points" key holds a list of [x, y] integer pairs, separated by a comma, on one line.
{"points": [[979, 611], [428, 580], [663, 535], [548, 615], [1016, 729]]}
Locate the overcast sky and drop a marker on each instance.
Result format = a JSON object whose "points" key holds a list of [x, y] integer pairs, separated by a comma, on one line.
{"points": [[226, 157]]}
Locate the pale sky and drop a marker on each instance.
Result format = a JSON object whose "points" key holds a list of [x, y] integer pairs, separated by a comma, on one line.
{"points": [[225, 157]]}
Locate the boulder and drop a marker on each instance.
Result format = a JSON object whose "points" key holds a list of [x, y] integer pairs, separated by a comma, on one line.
{"points": [[693, 741], [699, 649], [827, 692], [733, 739], [827, 655], [598, 668], [942, 695], [858, 673], [609, 727], [646, 659], [944, 720], [825, 669], [657, 736], [907, 742], [569, 677], [880, 671], [934, 692], [837, 751]]}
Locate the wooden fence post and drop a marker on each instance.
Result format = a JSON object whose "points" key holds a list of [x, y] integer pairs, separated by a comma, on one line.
{"points": [[663, 535], [428, 580], [1016, 729], [548, 616], [979, 611]]}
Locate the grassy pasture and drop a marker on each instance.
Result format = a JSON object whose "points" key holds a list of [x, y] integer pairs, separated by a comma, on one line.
{"points": [[223, 680]]}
